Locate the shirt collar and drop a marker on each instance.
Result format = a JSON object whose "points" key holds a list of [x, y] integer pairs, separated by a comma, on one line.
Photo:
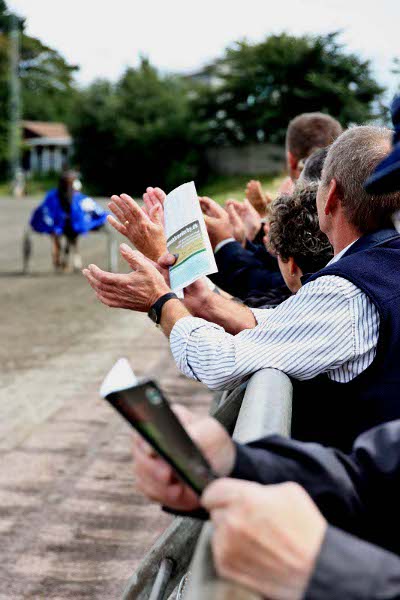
{"points": [[341, 253]]}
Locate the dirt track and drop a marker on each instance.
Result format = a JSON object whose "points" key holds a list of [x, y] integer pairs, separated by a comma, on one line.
{"points": [[71, 524]]}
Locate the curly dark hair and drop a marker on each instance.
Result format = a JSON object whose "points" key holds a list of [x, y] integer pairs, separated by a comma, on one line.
{"points": [[294, 230]]}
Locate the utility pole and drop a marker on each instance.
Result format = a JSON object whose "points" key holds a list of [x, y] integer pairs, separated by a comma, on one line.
{"points": [[15, 110]]}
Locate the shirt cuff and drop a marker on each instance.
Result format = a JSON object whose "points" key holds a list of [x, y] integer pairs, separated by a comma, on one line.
{"points": [[179, 339], [348, 567], [223, 243]]}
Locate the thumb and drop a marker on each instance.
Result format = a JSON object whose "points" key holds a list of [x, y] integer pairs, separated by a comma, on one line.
{"points": [[134, 258], [221, 492], [167, 260]]}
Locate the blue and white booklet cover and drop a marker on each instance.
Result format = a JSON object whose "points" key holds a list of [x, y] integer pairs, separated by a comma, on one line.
{"points": [[187, 237]]}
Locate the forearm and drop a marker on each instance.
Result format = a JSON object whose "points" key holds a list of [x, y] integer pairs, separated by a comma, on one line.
{"points": [[229, 314], [172, 311], [348, 567], [331, 478]]}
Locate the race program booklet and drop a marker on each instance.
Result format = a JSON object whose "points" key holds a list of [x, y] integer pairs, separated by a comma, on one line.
{"points": [[187, 237]]}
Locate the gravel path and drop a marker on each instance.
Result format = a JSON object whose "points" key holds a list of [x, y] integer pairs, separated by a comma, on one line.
{"points": [[71, 524]]}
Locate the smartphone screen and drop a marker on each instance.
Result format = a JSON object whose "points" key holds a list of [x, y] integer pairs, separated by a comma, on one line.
{"points": [[148, 411]]}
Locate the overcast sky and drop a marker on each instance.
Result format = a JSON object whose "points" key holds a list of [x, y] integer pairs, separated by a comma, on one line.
{"points": [[105, 37]]}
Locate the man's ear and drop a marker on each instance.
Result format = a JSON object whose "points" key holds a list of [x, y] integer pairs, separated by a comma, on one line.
{"points": [[332, 198], [294, 268], [292, 162]]}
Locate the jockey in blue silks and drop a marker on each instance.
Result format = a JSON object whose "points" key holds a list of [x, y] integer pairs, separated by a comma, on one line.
{"points": [[67, 212], [51, 217]]}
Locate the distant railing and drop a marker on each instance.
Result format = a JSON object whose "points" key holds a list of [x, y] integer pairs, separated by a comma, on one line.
{"points": [[260, 408], [111, 248]]}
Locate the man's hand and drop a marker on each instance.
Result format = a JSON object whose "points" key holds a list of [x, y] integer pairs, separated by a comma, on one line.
{"points": [[266, 537], [250, 217], [217, 220], [238, 227], [144, 229], [196, 295], [259, 199], [156, 479], [137, 290], [154, 197]]}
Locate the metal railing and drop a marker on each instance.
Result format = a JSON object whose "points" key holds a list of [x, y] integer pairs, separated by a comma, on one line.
{"points": [[261, 407]]}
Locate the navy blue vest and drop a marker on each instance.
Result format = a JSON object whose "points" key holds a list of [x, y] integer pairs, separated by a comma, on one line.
{"points": [[334, 413]]}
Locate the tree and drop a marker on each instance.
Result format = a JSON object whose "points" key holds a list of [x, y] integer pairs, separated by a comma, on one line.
{"points": [[136, 133], [262, 86], [47, 82], [46, 79]]}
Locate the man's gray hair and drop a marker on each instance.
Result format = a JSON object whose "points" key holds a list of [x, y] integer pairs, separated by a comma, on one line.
{"points": [[350, 161]]}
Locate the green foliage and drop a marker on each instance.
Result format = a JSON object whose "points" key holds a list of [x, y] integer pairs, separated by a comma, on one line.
{"points": [[222, 188], [47, 82], [136, 133], [262, 86]]}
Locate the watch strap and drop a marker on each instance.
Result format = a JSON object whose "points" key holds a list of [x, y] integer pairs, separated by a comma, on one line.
{"points": [[155, 311]]}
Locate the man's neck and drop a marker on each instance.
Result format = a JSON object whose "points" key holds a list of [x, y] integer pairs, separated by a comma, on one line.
{"points": [[343, 237]]}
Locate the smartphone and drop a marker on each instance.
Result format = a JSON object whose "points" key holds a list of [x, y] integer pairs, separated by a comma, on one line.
{"points": [[145, 407]]}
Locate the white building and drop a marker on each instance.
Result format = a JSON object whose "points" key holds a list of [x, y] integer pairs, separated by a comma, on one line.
{"points": [[47, 147]]}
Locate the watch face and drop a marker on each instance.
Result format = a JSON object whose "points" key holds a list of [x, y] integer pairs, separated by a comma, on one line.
{"points": [[153, 314]]}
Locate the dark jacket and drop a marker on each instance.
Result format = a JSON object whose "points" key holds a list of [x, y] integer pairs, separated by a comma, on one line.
{"points": [[241, 272], [359, 493], [322, 408]]}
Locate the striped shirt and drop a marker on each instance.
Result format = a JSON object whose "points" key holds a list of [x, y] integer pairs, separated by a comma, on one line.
{"points": [[330, 326]]}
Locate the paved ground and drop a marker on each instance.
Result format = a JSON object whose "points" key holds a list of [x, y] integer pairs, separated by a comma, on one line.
{"points": [[71, 524]]}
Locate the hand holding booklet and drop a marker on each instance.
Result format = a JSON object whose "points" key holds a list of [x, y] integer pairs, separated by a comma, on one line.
{"points": [[144, 406], [187, 237]]}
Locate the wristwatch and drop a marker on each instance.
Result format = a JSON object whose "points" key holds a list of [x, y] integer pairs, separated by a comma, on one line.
{"points": [[155, 311]]}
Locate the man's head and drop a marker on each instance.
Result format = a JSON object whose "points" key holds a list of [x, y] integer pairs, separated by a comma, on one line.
{"points": [[295, 236], [313, 167], [305, 134], [343, 204]]}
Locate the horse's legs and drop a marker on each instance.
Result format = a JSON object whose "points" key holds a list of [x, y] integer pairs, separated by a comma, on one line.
{"points": [[72, 248], [56, 251]]}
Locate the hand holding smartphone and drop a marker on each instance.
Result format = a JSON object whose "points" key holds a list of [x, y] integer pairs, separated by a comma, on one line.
{"points": [[144, 406]]}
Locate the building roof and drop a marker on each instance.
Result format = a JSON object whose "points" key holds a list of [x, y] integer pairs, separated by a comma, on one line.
{"points": [[46, 130]]}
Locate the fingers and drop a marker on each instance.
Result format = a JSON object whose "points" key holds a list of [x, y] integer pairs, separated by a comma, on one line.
{"points": [[134, 258], [185, 416], [116, 210], [234, 218], [147, 203], [156, 195], [96, 285], [210, 208], [156, 214], [129, 209], [105, 277], [117, 225], [222, 492], [161, 195]]}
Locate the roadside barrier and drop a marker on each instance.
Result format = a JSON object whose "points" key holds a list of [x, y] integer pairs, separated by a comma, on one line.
{"points": [[261, 407]]}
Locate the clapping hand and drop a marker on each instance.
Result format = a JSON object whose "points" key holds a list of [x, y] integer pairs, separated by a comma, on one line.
{"points": [[249, 216], [137, 290], [144, 229]]}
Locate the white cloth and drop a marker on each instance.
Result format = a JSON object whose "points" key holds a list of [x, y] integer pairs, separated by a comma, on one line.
{"points": [[330, 326], [223, 243]]}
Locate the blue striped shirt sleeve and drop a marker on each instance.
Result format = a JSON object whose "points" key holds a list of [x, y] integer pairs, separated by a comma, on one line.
{"points": [[330, 326]]}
